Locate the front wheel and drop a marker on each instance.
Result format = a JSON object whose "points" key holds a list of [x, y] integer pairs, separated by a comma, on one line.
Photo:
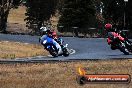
{"points": [[129, 46], [123, 48], [65, 52]]}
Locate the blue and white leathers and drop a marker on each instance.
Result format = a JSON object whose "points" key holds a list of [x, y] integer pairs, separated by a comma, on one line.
{"points": [[46, 39]]}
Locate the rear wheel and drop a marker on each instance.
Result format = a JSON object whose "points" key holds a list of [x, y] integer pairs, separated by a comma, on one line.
{"points": [[113, 47], [53, 52]]}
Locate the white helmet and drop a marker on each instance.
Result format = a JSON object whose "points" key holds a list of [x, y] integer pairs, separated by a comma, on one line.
{"points": [[44, 29]]}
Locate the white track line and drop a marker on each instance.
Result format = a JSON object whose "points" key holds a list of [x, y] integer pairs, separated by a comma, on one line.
{"points": [[72, 51]]}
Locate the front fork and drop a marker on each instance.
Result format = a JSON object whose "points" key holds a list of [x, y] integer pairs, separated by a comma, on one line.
{"points": [[64, 46]]}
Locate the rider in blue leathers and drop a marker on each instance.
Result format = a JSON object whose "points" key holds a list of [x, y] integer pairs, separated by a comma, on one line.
{"points": [[47, 35]]}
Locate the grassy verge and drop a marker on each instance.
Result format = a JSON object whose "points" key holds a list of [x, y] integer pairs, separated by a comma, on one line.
{"points": [[61, 74], [11, 50]]}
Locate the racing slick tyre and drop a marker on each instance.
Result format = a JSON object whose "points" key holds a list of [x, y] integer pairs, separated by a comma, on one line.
{"points": [[113, 47], [65, 52], [123, 48], [129, 46], [53, 53]]}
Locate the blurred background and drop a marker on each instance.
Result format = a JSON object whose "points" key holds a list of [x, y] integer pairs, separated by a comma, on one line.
{"points": [[77, 18]]}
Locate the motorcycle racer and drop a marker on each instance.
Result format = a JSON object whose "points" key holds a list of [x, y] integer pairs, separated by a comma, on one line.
{"points": [[115, 38], [111, 34], [52, 43], [118, 33], [48, 34], [52, 34]]}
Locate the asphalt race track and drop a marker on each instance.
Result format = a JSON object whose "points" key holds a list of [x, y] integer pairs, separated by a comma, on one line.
{"points": [[82, 48]]}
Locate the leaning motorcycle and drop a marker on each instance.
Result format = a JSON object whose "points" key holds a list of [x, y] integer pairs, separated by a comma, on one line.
{"points": [[53, 47], [127, 42], [117, 42]]}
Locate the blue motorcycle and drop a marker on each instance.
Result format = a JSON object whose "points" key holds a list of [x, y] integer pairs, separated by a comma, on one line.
{"points": [[53, 47]]}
